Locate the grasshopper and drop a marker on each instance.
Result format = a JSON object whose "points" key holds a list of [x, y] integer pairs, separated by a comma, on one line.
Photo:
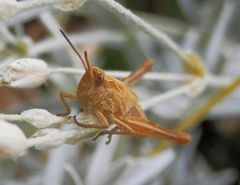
{"points": [[112, 101]]}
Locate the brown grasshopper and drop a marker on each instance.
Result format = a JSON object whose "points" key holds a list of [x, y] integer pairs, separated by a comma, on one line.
{"points": [[113, 101]]}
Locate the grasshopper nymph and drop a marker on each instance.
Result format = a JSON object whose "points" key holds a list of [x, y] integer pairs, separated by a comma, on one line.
{"points": [[113, 101]]}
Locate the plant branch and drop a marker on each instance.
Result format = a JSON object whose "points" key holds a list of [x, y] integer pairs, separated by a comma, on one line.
{"points": [[139, 23], [12, 117], [123, 74], [28, 4], [211, 80], [169, 95]]}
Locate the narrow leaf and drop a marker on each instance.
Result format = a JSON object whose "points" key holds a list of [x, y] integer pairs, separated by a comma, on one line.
{"points": [[196, 117]]}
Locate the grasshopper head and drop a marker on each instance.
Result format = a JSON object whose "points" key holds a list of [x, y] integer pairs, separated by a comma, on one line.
{"points": [[90, 86], [93, 77]]}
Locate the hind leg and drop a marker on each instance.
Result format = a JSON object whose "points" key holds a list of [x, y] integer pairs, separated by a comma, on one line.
{"points": [[114, 131], [121, 129], [138, 73]]}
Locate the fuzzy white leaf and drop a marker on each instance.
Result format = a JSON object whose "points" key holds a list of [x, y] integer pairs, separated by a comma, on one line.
{"points": [[197, 89], [8, 8], [69, 5], [51, 143], [100, 162], [136, 173], [13, 142], [24, 73], [41, 118]]}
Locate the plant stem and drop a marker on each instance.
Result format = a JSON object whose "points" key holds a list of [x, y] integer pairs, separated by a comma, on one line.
{"points": [[128, 16], [11, 117], [211, 80], [168, 95], [28, 4], [123, 74]]}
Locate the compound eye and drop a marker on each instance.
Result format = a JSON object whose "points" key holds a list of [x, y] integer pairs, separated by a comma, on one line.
{"points": [[99, 79]]}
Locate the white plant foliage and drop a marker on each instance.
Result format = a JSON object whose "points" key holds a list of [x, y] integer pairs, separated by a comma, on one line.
{"points": [[13, 142], [54, 137], [24, 73], [8, 9], [136, 172], [50, 143], [41, 118], [69, 5], [103, 167], [127, 170], [197, 88]]}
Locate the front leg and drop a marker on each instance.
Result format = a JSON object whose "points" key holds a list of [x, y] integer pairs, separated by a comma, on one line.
{"points": [[102, 124], [63, 96]]}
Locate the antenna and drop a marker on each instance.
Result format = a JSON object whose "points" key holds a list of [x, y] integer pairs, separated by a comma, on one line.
{"points": [[88, 63], [75, 49]]}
